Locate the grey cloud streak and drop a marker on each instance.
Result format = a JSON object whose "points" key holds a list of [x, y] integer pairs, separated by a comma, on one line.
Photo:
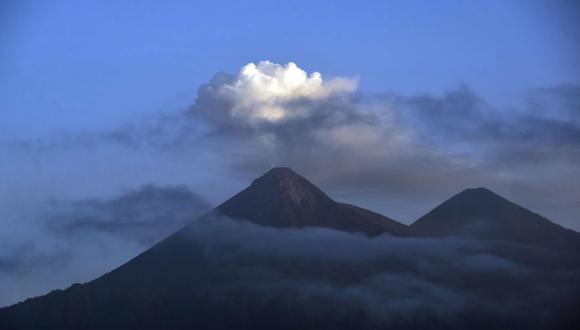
{"points": [[143, 215], [79, 240]]}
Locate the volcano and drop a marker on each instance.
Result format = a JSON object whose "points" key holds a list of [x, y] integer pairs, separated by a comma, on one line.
{"points": [[282, 254], [282, 198], [483, 214]]}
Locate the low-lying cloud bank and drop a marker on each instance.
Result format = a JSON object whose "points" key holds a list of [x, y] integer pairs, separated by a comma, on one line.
{"points": [[330, 276], [220, 272]]}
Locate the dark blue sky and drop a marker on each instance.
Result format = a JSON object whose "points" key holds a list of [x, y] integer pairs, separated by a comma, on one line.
{"points": [[86, 64]]}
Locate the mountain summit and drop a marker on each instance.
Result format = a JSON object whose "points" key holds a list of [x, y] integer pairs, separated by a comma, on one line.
{"points": [[481, 213], [282, 198]]}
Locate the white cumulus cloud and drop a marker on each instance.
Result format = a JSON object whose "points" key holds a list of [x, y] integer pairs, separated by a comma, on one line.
{"points": [[270, 92]]}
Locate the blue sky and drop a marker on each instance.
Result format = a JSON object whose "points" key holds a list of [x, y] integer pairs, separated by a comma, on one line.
{"points": [[87, 64]]}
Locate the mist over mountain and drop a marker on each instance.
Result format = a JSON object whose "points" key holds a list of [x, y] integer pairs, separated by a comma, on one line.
{"points": [[272, 257]]}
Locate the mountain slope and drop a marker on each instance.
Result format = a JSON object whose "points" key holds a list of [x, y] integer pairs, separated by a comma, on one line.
{"points": [[482, 213], [281, 198]]}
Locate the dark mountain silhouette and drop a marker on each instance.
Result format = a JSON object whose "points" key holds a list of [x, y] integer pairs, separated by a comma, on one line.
{"points": [[187, 281], [483, 214], [282, 198]]}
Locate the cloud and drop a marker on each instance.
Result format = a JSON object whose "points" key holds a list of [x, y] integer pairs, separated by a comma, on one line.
{"points": [[399, 151], [286, 117], [461, 115], [269, 93], [79, 240], [560, 102], [262, 277], [143, 215], [414, 148], [389, 280]]}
